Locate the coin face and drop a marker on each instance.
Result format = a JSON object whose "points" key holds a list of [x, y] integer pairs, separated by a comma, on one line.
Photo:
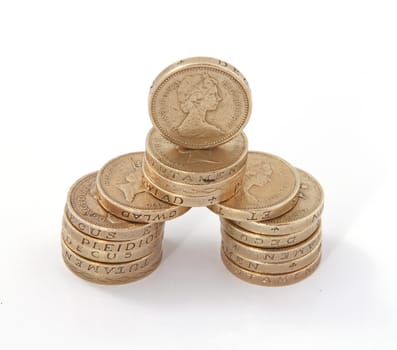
{"points": [[200, 102], [306, 212], [85, 213], [270, 188], [121, 191]]}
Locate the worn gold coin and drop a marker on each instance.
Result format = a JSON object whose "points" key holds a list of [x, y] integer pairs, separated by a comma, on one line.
{"points": [[272, 254], [121, 192], [109, 251], [270, 188], [84, 212], [267, 241], [195, 166], [200, 102], [190, 195], [306, 212], [268, 279], [104, 273], [273, 268]]}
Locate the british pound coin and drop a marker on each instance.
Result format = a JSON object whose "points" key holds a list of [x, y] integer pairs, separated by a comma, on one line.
{"points": [[273, 268], [109, 251], [306, 212], [121, 192], [195, 166], [272, 254], [268, 279], [200, 102], [190, 195], [104, 273], [85, 213], [270, 189], [266, 241]]}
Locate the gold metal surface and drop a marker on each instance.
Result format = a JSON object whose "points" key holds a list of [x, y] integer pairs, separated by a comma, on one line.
{"points": [[109, 251], [272, 254], [195, 166], [85, 213], [121, 192], [267, 241], [307, 211], [200, 102], [270, 189], [268, 279], [190, 195], [104, 273], [272, 268]]}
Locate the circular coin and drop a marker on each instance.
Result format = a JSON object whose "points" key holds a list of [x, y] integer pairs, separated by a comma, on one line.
{"points": [[307, 211], [109, 251], [200, 102], [104, 273], [270, 188], [268, 279], [273, 268], [272, 254], [84, 212], [266, 241], [121, 192], [195, 166]]}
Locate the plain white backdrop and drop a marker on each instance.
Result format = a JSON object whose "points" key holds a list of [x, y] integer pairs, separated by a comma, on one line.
{"points": [[74, 81]]}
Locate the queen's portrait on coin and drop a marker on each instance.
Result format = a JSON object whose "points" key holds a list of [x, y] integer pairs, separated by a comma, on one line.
{"points": [[256, 178], [198, 94]]}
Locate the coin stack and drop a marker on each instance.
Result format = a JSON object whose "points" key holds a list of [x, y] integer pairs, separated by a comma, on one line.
{"points": [[196, 155], [271, 231]]}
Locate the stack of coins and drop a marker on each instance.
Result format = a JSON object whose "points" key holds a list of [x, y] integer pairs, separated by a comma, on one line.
{"points": [[271, 232], [100, 245], [196, 153]]}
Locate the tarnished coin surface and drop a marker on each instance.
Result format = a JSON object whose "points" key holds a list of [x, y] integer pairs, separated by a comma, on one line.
{"points": [[270, 188], [195, 166], [306, 212], [121, 192], [85, 213], [200, 102], [269, 279]]}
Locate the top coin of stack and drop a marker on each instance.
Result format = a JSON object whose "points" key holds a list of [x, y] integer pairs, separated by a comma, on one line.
{"points": [[196, 155]]}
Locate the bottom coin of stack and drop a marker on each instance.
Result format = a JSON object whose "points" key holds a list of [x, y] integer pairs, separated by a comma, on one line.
{"points": [[102, 248], [279, 251]]}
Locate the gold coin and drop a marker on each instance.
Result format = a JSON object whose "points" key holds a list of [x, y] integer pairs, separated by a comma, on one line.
{"points": [[273, 268], [306, 212], [104, 273], [121, 192], [270, 188], [195, 166], [190, 195], [200, 102], [272, 254], [85, 213], [109, 251], [268, 279], [267, 241]]}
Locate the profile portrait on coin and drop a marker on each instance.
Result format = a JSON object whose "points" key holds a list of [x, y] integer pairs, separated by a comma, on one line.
{"points": [[256, 177], [197, 94]]}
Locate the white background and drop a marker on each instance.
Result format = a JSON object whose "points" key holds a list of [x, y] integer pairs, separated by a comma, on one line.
{"points": [[74, 80]]}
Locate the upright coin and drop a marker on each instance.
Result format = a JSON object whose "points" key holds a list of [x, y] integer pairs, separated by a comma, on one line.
{"points": [[305, 213], [121, 192], [270, 188], [84, 212], [200, 102], [195, 166]]}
